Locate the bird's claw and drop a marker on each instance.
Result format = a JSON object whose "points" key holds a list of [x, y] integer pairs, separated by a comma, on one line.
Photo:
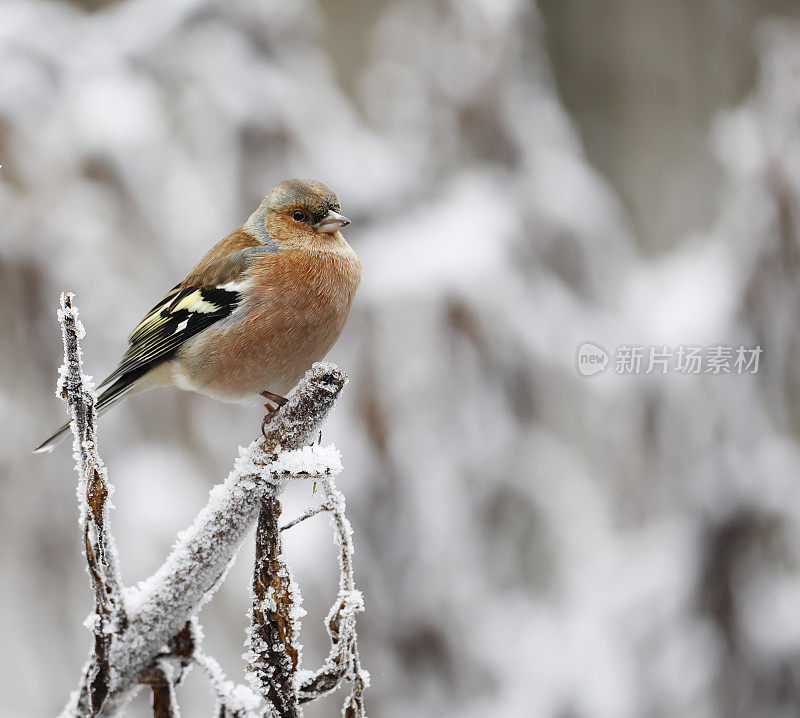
{"points": [[267, 420], [274, 402]]}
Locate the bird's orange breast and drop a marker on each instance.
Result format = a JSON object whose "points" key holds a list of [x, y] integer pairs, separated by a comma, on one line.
{"points": [[296, 303]]}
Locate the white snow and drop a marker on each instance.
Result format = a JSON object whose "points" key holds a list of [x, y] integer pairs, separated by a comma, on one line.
{"points": [[312, 461]]}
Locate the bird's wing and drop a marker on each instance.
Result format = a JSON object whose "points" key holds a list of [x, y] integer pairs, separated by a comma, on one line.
{"points": [[202, 299]]}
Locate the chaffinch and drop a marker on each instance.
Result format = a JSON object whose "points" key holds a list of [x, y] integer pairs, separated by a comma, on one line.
{"points": [[254, 313]]}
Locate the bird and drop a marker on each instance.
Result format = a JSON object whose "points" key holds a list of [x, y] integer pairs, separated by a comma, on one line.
{"points": [[252, 316]]}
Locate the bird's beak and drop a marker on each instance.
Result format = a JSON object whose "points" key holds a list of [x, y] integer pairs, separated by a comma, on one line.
{"points": [[331, 222]]}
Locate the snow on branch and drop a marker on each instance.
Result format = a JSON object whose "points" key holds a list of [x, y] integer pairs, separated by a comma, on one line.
{"points": [[274, 632], [148, 634], [94, 491], [343, 662]]}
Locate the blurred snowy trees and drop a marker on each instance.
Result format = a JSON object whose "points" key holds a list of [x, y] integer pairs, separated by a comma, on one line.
{"points": [[532, 542]]}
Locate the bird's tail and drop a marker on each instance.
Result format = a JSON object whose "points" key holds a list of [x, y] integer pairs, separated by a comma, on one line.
{"points": [[51, 443], [108, 398]]}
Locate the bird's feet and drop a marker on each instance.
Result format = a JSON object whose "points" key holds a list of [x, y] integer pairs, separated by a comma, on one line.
{"points": [[274, 398], [274, 402]]}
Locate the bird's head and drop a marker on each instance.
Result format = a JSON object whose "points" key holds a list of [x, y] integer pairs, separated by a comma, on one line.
{"points": [[299, 212]]}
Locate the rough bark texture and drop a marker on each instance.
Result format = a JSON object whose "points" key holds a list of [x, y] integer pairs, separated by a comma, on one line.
{"points": [[274, 651]]}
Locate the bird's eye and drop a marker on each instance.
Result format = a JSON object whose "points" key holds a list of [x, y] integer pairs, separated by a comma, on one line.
{"points": [[298, 216]]}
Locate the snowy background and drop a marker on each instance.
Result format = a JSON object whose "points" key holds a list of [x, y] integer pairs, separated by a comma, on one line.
{"points": [[521, 178]]}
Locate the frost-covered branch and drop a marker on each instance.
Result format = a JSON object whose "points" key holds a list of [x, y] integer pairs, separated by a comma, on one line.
{"points": [[148, 635], [273, 637], [343, 662], [275, 618], [305, 515], [233, 701], [165, 705], [94, 491], [203, 553]]}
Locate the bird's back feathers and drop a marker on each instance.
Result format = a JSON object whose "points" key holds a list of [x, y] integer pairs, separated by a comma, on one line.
{"points": [[202, 299], [205, 297]]}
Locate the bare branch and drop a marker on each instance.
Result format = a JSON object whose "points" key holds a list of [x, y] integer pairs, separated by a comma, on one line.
{"points": [[94, 490], [274, 630], [165, 705], [305, 515], [343, 662]]}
